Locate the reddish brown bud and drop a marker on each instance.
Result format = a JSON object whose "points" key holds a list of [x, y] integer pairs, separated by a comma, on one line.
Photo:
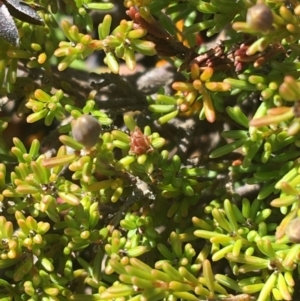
{"points": [[139, 143]]}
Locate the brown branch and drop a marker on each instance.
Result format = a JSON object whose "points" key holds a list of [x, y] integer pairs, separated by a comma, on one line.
{"points": [[116, 93]]}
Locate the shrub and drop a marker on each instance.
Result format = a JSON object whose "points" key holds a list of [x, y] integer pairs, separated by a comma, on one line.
{"points": [[177, 181]]}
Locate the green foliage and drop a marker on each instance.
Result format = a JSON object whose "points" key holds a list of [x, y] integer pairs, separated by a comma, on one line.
{"points": [[127, 213]]}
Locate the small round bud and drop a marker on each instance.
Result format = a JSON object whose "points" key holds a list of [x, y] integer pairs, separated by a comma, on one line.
{"points": [[86, 130], [260, 17], [293, 230]]}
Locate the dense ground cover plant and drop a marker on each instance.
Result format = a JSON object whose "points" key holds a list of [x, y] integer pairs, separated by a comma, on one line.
{"points": [[133, 181]]}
